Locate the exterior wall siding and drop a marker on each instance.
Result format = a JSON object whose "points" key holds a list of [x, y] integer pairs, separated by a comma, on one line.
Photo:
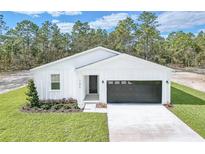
{"points": [[42, 81], [74, 83], [134, 75]]}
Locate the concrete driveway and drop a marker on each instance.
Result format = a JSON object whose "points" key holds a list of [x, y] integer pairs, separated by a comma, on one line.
{"points": [[147, 122]]}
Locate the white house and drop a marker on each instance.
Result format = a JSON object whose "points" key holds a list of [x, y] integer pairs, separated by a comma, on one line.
{"points": [[103, 75]]}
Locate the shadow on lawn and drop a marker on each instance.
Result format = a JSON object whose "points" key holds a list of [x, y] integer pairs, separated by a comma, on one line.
{"points": [[181, 97]]}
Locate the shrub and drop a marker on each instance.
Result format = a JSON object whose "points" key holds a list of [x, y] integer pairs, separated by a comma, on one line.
{"points": [[32, 95], [75, 106], [51, 105], [58, 101], [46, 106], [71, 100], [67, 106], [57, 106]]}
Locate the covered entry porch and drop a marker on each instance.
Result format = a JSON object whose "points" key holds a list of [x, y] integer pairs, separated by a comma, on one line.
{"points": [[91, 89]]}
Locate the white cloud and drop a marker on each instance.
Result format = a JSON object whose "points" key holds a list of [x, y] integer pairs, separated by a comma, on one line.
{"points": [[73, 13], [109, 21], [52, 13], [55, 21], [173, 21], [164, 35], [134, 16], [105, 22], [31, 13], [59, 13], [65, 27], [203, 30]]}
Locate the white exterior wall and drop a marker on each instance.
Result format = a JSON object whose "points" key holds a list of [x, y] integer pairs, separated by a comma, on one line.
{"points": [[125, 69], [69, 82], [73, 81], [42, 81], [136, 75]]}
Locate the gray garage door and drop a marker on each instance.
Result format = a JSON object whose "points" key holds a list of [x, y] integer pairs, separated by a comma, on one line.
{"points": [[134, 91]]}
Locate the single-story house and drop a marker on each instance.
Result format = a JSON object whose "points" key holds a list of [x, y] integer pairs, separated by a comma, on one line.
{"points": [[103, 75]]}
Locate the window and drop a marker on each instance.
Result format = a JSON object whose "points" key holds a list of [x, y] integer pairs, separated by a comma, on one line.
{"points": [[110, 82], [129, 82], [123, 82], [55, 81], [117, 82]]}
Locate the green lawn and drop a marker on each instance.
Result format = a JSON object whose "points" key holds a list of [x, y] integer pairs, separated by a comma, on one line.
{"points": [[18, 126], [189, 106]]}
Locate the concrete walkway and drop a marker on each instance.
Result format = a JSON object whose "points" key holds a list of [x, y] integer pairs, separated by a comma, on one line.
{"points": [[147, 122], [92, 108]]}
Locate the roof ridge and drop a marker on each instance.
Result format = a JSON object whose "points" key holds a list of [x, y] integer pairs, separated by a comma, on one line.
{"points": [[97, 61], [124, 54], [73, 56], [115, 56]]}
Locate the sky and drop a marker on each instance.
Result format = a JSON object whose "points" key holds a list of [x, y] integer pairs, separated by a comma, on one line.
{"points": [[169, 21]]}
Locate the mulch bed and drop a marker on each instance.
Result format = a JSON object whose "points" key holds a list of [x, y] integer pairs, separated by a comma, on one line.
{"points": [[60, 105], [39, 110], [101, 105], [168, 105]]}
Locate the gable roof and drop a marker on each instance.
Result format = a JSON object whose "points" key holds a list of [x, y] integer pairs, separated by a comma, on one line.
{"points": [[73, 56], [128, 56]]}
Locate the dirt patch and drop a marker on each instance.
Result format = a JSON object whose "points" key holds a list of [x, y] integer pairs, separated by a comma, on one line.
{"points": [[189, 69], [193, 80]]}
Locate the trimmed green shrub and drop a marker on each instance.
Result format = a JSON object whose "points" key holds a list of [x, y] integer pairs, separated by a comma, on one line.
{"points": [[75, 106], [67, 106], [59, 101], [46, 106], [50, 105], [32, 94], [57, 106]]}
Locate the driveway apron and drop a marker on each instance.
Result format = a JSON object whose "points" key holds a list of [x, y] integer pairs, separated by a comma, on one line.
{"points": [[147, 122]]}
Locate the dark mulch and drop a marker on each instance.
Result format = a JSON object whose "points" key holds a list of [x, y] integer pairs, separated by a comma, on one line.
{"points": [[101, 105], [168, 105], [40, 110]]}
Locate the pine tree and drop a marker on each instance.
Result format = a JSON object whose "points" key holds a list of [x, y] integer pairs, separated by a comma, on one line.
{"points": [[32, 94]]}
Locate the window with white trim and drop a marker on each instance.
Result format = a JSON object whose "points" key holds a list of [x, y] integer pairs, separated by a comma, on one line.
{"points": [[55, 81], [123, 82], [117, 82], [110, 82]]}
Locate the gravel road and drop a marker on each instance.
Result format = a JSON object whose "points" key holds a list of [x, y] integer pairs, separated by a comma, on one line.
{"points": [[13, 80]]}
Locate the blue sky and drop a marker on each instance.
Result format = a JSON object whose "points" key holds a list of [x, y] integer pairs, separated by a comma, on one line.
{"points": [[169, 21]]}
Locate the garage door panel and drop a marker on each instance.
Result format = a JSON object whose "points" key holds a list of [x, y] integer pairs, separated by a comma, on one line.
{"points": [[134, 91]]}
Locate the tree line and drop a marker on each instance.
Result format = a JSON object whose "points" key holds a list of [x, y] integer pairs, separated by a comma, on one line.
{"points": [[28, 45]]}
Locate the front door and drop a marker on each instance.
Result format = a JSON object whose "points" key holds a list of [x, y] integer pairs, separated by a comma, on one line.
{"points": [[93, 86]]}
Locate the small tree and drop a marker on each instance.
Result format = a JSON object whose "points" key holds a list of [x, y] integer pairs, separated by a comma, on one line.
{"points": [[32, 94]]}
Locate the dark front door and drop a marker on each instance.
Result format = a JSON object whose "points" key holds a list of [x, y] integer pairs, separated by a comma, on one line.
{"points": [[93, 84], [134, 91]]}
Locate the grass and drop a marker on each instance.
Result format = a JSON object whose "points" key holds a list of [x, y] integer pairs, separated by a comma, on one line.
{"points": [[18, 126], [189, 106]]}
